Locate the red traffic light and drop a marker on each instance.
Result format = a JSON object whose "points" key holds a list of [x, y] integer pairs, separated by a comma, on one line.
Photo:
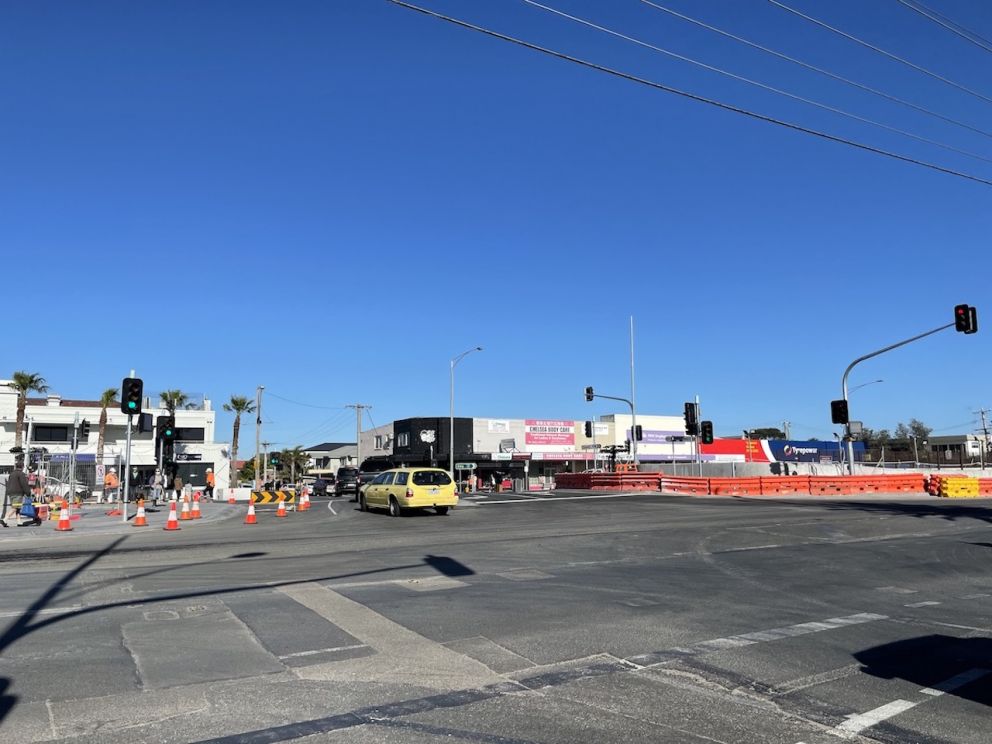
{"points": [[965, 319]]}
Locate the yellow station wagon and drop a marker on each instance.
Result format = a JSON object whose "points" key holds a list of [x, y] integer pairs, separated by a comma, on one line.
{"points": [[410, 488]]}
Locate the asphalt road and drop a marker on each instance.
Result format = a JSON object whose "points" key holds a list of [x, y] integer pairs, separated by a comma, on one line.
{"points": [[512, 620]]}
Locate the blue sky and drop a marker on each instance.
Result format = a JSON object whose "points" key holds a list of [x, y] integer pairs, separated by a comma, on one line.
{"points": [[334, 198]]}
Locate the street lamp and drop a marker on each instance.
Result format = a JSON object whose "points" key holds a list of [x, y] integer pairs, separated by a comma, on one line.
{"points": [[863, 384], [451, 441]]}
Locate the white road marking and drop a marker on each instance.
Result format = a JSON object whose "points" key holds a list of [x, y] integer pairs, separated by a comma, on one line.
{"points": [[537, 499], [861, 721], [980, 595], [323, 651], [922, 604], [48, 611], [330, 505]]}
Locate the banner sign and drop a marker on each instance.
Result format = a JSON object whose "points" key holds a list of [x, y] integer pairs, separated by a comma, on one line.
{"points": [[546, 431]]}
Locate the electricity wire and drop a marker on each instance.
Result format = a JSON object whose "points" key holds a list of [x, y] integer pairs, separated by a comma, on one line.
{"points": [[883, 52], [820, 70], [757, 83], [692, 96], [305, 405], [955, 28]]}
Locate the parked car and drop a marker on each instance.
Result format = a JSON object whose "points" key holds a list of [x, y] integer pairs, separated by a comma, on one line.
{"points": [[320, 487], [402, 489], [346, 481]]}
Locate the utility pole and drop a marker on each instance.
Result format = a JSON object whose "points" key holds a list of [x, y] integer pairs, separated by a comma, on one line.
{"points": [[359, 407], [633, 401], [985, 430], [785, 428], [258, 433], [265, 466]]}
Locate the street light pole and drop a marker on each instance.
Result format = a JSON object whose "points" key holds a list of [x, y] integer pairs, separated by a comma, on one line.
{"points": [[258, 434], [451, 410]]}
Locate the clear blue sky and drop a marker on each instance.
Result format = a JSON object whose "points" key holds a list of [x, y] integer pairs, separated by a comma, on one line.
{"points": [[334, 198]]}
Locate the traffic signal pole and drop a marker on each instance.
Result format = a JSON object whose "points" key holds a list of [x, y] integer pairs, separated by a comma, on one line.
{"points": [[856, 362]]}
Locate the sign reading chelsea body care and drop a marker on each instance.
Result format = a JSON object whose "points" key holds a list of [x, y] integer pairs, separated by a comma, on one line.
{"points": [[549, 435]]}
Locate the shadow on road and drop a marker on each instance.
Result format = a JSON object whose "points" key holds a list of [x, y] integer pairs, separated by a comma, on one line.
{"points": [[950, 512], [965, 664], [25, 622]]}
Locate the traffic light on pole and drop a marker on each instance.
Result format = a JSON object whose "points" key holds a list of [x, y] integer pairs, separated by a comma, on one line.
{"points": [[166, 428], [588, 429], [274, 460], [706, 432], [84, 430], [589, 393], [691, 424], [965, 319], [638, 432], [838, 412], [131, 392]]}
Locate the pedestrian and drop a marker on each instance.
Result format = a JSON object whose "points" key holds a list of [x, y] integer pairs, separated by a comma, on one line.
{"points": [[158, 486], [18, 486], [111, 484], [4, 502], [209, 488], [177, 486]]}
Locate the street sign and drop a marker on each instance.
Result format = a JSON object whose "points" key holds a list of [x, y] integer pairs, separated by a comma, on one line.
{"points": [[464, 466], [675, 438]]}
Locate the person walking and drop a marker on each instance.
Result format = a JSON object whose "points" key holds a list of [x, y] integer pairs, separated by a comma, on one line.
{"points": [[18, 486], [158, 486], [177, 486], [4, 501], [111, 483], [209, 489]]}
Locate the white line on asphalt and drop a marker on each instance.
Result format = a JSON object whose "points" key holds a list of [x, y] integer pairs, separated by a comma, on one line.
{"points": [[330, 505], [49, 611], [861, 721], [537, 499], [980, 595], [323, 651], [922, 604]]}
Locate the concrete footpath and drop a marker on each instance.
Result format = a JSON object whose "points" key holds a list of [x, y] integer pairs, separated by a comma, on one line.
{"points": [[92, 519]]}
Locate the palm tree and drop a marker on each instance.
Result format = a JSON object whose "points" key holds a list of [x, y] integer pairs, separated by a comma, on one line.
{"points": [[24, 383], [237, 405], [294, 457], [173, 399], [107, 399]]}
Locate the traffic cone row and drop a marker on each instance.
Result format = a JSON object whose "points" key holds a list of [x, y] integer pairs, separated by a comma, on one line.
{"points": [[139, 518], [304, 500]]}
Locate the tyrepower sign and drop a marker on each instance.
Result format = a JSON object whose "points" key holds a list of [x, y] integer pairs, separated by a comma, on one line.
{"points": [[540, 433]]}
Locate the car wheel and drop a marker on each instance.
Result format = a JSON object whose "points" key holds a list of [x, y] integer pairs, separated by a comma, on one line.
{"points": [[442, 510], [394, 507], [362, 504]]}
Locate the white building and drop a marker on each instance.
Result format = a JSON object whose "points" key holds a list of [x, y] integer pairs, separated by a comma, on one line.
{"points": [[52, 421]]}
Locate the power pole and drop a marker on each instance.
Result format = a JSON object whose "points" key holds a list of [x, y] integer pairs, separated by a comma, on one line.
{"points": [[265, 466], [258, 433], [785, 428], [985, 431], [359, 407]]}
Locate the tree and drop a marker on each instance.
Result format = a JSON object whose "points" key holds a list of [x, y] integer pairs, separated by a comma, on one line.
{"points": [[107, 399], [24, 383], [918, 429], [767, 433], [295, 457], [902, 431], [173, 399], [237, 405]]}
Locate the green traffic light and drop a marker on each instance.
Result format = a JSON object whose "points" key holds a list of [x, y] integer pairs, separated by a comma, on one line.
{"points": [[168, 432], [131, 404]]}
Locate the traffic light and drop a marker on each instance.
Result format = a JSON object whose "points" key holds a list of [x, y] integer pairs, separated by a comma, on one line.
{"points": [[838, 411], [706, 432], [144, 423], [638, 432], [166, 428], [274, 460], [965, 319], [691, 424], [589, 393], [588, 429], [84, 430], [131, 392]]}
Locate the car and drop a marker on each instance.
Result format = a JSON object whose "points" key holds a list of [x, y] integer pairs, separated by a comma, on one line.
{"points": [[346, 481], [320, 487], [402, 489]]}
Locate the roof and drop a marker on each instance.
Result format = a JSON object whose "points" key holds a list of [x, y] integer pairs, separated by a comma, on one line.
{"points": [[67, 403], [328, 446]]}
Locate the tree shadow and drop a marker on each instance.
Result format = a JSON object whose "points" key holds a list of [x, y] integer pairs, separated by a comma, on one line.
{"points": [[25, 623], [938, 663]]}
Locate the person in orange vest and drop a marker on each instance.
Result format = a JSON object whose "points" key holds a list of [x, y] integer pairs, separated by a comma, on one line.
{"points": [[209, 490], [110, 485]]}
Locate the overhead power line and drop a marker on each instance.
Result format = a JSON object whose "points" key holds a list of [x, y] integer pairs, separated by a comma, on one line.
{"points": [[955, 28], [883, 52], [306, 405], [820, 70], [692, 96], [757, 83]]}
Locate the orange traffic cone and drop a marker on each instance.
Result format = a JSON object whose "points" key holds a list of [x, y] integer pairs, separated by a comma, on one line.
{"points": [[195, 512], [304, 503], [230, 496], [173, 523], [281, 511], [250, 519], [64, 524], [184, 515], [139, 519]]}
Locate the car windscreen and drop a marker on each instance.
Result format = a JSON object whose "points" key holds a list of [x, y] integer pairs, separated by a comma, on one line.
{"points": [[347, 473], [430, 478]]}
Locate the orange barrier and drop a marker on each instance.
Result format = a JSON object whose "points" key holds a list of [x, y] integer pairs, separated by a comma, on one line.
{"points": [[985, 486], [827, 485], [693, 486], [776, 486], [735, 486]]}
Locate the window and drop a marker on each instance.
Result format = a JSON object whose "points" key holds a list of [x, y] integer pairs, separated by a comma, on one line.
{"points": [[431, 478], [387, 479], [378, 441], [401, 478], [41, 433], [403, 439], [186, 434]]}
